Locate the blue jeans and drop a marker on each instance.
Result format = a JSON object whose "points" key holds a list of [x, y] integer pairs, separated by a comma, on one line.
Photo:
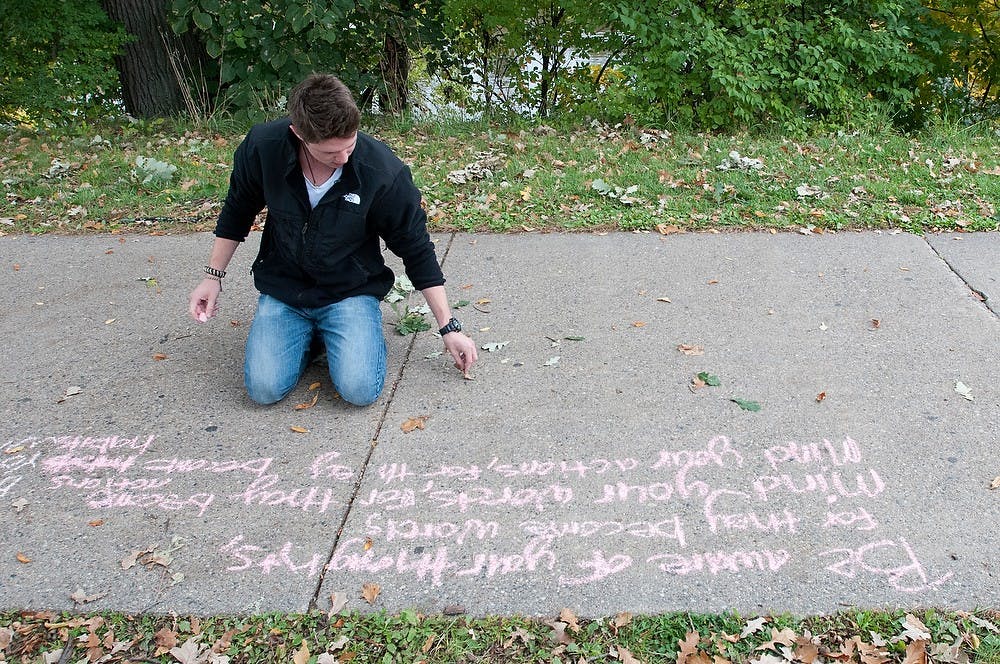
{"points": [[278, 348]]}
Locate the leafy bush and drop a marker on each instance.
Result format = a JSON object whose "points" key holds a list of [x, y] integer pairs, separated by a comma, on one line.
{"points": [[788, 62], [57, 60]]}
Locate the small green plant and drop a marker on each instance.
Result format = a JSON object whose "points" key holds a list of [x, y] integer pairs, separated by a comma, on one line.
{"points": [[151, 171], [410, 320]]}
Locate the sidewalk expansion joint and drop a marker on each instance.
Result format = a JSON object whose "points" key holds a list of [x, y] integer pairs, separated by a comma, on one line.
{"points": [[976, 293], [314, 601]]}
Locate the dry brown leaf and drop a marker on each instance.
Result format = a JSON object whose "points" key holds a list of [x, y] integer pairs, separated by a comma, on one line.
{"points": [[429, 643], [308, 404], [622, 619], [687, 647], [370, 592], [570, 619], [995, 484], [369, 543], [916, 653], [315, 386], [159, 356], [297, 429], [820, 396], [21, 558], [689, 349], [338, 601], [81, 597], [712, 282], [14, 450], [626, 657], [301, 655], [668, 229], [414, 423], [639, 323], [876, 323], [806, 651], [165, 640], [785, 637], [95, 523], [663, 299]]}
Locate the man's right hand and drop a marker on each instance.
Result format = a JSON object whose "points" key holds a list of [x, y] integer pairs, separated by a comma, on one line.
{"points": [[204, 302]]}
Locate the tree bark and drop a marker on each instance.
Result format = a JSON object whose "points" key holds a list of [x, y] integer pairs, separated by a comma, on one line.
{"points": [[149, 84], [395, 69]]}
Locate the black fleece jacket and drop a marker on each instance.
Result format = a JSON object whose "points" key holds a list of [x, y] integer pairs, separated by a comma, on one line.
{"points": [[314, 257]]}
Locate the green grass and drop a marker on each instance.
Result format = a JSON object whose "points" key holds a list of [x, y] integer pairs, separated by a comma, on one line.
{"points": [[410, 637], [534, 177]]}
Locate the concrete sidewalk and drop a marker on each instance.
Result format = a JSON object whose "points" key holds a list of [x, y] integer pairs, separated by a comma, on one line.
{"points": [[580, 468]]}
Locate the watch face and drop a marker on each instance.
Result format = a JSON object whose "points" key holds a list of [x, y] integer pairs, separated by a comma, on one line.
{"points": [[455, 325]]}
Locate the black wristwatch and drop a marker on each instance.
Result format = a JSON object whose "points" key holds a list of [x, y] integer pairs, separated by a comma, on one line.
{"points": [[452, 326]]}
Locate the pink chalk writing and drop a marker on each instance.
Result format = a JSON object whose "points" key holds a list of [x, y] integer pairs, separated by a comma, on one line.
{"points": [[716, 562], [894, 560]]}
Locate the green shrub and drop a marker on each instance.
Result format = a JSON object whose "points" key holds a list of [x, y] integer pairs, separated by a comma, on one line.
{"points": [[57, 60]]}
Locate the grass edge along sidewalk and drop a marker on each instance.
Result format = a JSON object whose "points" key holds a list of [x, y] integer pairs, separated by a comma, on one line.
{"points": [[850, 637], [168, 178]]}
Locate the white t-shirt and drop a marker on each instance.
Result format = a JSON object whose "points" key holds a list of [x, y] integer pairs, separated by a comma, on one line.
{"points": [[316, 194]]}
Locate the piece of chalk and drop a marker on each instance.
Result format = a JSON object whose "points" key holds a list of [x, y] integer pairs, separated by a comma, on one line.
{"points": [[203, 317]]}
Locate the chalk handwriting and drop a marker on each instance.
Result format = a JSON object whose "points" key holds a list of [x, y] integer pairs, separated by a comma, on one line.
{"points": [[691, 509]]}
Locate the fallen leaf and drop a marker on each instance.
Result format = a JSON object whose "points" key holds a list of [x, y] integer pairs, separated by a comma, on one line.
{"points": [[110, 321], [414, 423], [338, 601], [81, 597], [21, 558], [301, 655], [19, 504], [494, 346], [663, 299], [552, 361], [570, 619], [189, 653], [752, 406], [914, 629], [574, 338], [14, 450], [688, 349], [639, 323], [753, 626], [785, 637], [307, 404], [369, 543], [429, 643], [964, 390], [626, 657], [916, 653], [315, 386], [995, 484], [159, 356], [622, 619], [17, 268], [668, 229], [95, 523], [709, 379], [712, 282], [687, 646], [453, 610], [370, 592], [165, 640], [820, 396], [875, 324], [298, 429]]}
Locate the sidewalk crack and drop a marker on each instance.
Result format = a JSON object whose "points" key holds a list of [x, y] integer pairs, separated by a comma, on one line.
{"points": [[373, 443], [976, 293]]}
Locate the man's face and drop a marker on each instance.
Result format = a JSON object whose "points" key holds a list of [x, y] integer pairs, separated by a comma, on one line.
{"points": [[332, 152]]}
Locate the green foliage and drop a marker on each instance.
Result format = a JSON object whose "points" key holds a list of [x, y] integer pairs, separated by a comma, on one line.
{"points": [[785, 62], [976, 27], [265, 49], [517, 54], [57, 60]]}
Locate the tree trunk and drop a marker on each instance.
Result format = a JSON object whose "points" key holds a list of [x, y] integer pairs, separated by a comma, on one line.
{"points": [[150, 85], [395, 68]]}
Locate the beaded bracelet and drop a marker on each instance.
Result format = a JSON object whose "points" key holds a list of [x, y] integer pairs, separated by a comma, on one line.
{"points": [[215, 273]]}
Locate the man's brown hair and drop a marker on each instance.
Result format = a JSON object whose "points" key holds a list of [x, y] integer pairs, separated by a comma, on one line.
{"points": [[321, 108]]}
